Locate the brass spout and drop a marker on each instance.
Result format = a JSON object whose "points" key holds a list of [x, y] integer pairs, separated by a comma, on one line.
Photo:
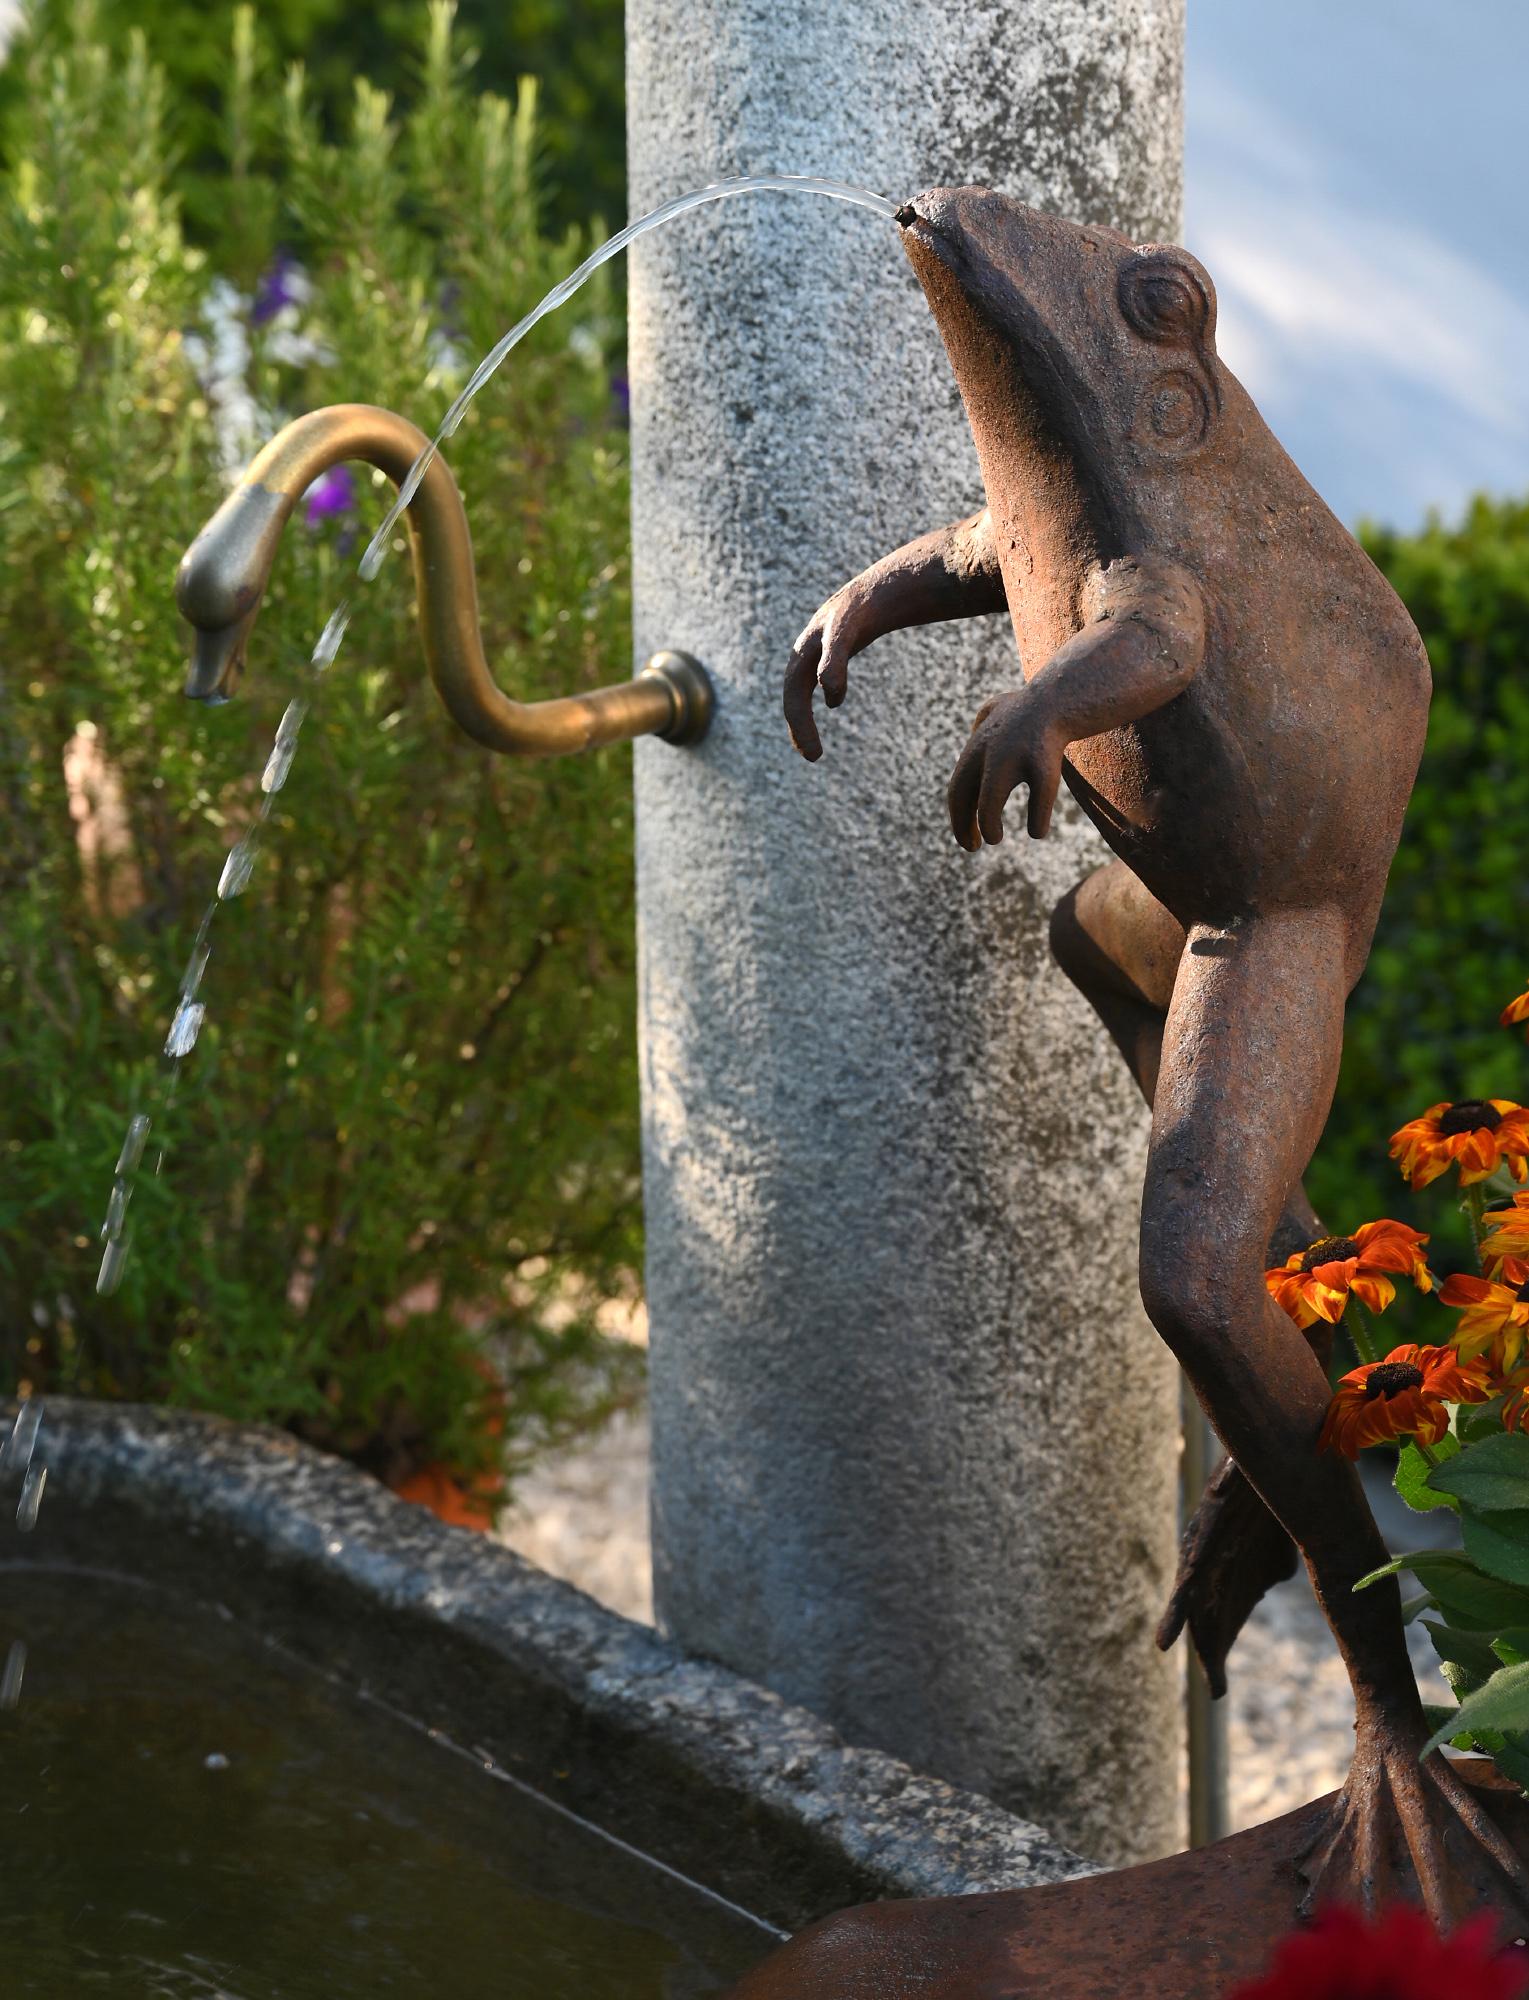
{"points": [[223, 575]]}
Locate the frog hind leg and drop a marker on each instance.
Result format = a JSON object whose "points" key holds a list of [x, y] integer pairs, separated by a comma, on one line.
{"points": [[1249, 1063], [1121, 948]]}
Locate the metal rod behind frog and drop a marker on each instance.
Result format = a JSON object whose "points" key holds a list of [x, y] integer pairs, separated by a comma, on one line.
{"points": [[223, 575]]}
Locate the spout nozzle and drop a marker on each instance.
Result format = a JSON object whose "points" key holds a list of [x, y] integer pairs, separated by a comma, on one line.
{"points": [[906, 216], [221, 581], [216, 658]]}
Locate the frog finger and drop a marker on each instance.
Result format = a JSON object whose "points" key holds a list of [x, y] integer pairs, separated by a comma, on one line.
{"points": [[833, 668], [796, 696], [962, 793], [1001, 773], [1043, 791]]}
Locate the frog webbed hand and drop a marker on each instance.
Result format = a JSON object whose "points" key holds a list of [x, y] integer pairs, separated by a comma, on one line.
{"points": [[952, 573], [1143, 646]]}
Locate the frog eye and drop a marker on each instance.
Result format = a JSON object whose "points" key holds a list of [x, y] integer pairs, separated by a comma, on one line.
{"points": [[1167, 297], [1175, 413]]}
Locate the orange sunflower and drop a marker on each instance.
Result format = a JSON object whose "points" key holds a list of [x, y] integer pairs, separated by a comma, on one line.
{"points": [[1505, 1231], [1315, 1283], [1495, 1321], [1479, 1133], [1514, 1414], [1515, 1011], [1403, 1396]]}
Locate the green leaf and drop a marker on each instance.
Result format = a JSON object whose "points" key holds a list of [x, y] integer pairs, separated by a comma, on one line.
{"points": [[1423, 1563], [1512, 1646], [1467, 1597], [1463, 1682], [1479, 1420], [1413, 1475], [1499, 1543], [1481, 1603], [1440, 1718], [1512, 1758], [1502, 1704], [1470, 1650], [1492, 1475]]}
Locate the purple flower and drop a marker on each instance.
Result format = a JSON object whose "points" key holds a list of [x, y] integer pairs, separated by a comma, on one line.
{"points": [[274, 289], [329, 497], [621, 392]]}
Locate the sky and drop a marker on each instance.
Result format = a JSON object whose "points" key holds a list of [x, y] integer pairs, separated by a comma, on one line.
{"points": [[1355, 184]]}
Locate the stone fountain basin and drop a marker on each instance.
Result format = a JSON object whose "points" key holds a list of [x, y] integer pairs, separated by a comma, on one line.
{"points": [[756, 1801]]}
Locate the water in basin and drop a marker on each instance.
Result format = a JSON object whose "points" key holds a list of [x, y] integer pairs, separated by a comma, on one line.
{"points": [[190, 1812]]}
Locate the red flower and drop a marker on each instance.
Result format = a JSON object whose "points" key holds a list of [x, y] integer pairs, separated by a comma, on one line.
{"points": [[1400, 1956], [1403, 1396], [1314, 1283]]}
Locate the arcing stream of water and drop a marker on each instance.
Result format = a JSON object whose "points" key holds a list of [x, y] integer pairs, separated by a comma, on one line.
{"points": [[190, 1010]]}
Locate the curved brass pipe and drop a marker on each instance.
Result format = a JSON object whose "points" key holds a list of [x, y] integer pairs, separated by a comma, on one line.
{"points": [[223, 575]]}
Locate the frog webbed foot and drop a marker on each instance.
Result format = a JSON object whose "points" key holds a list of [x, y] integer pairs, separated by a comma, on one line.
{"points": [[1405, 1831]]}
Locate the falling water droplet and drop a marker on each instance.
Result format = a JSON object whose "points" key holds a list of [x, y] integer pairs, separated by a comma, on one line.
{"points": [[16, 1453], [284, 749], [185, 1028], [196, 965], [31, 1498], [113, 1264], [278, 767], [133, 1144], [238, 868], [333, 632], [10, 1680], [116, 1211]]}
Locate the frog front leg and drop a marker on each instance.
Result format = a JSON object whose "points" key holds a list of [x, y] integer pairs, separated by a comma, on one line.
{"points": [[1141, 645], [952, 573]]}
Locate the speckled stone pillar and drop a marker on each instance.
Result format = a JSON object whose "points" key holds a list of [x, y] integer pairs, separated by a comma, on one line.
{"points": [[914, 1442]]}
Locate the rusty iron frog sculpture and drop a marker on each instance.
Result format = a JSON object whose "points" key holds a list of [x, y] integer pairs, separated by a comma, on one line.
{"points": [[1238, 700]]}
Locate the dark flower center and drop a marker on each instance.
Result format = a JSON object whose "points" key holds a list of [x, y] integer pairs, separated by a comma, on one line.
{"points": [[1330, 1250], [1523, 1292], [1471, 1114], [1392, 1378]]}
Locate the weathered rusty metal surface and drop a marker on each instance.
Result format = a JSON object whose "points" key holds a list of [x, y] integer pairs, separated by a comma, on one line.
{"points": [[1237, 699], [1188, 1928]]}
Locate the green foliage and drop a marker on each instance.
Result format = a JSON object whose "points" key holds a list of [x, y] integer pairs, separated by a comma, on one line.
{"points": [[1482, 1590], [1502, 1703], [1471, 1600], [1492, 1477], [1413, 1482], [576, 45], [417, 1073], [1450, 951]]}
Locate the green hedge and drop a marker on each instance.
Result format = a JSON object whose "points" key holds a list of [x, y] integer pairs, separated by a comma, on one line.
{"points": [[1453, 944], [417, 1071]]}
